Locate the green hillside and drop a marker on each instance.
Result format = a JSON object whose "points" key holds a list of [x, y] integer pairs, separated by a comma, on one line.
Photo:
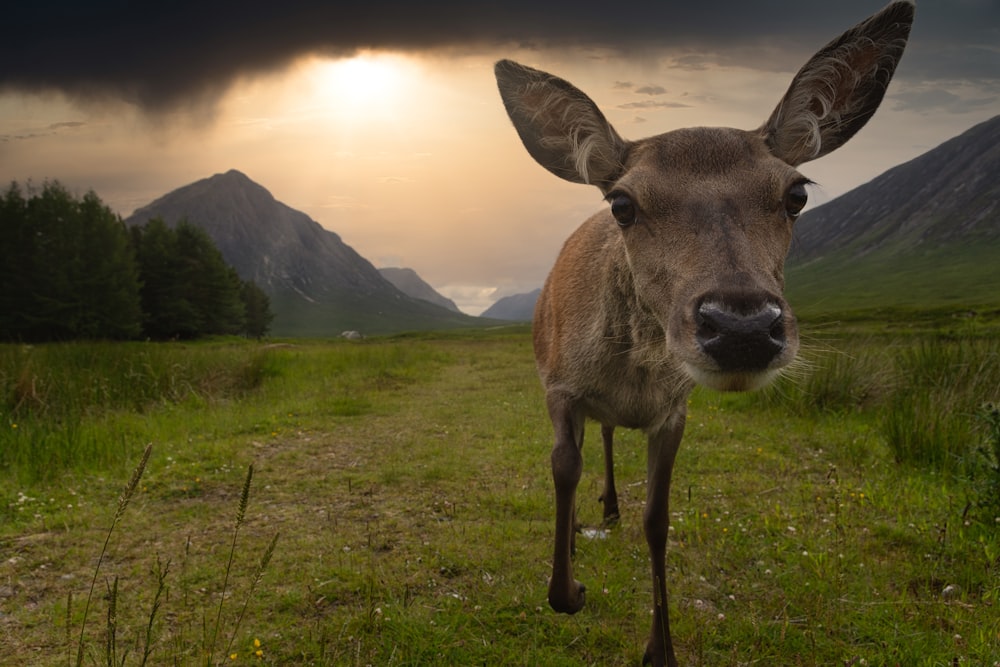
{"points": [[923, 235], [369, 315], [959, 276]]}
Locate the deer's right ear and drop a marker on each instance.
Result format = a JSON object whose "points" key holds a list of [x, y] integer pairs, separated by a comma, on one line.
{"points": [[839, 89], [560, 126]]}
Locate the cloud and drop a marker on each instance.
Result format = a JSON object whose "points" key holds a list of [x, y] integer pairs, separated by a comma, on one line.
{"points": [[183, 55], [937, 99], [42, 131], [653, 104], [651, 90], [345, 202], [471, 299], [693, 62]]}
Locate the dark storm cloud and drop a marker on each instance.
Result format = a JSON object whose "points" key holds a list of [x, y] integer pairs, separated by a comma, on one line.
{"points": [[165, 54]]}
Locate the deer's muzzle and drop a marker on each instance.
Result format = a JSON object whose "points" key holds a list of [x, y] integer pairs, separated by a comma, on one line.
{"points": [[740, 341]]}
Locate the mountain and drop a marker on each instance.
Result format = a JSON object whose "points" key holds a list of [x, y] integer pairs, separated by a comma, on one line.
{"points": [[518, 307], [408, 282], [318, 285], [925, 233]]}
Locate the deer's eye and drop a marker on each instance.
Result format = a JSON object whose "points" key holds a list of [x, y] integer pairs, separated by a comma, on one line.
{"points": [[623, 209], [795, 200]]}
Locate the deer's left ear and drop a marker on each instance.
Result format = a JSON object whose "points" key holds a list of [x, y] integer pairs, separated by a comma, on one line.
{"points": [[838, 90], [560, 126]]}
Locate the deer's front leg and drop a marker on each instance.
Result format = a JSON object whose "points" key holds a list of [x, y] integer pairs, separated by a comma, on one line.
{"points": [[662, 450], [610, 496], [565, 593]]}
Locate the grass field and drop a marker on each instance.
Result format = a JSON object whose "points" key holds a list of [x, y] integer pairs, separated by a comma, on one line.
{"points": [[407, 482]]}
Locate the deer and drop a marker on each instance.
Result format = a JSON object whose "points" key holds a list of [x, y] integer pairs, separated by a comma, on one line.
{"points": [[679, 280]]}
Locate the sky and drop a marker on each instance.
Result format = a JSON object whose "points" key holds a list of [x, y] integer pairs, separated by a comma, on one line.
{"points": [[381, 119]]}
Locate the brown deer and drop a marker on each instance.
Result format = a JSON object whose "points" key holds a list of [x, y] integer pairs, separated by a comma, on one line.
{"points": [[680, 281]]}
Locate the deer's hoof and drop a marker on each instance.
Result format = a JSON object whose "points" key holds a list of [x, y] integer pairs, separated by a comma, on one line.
{"points": [[568, 601], [611, 513], [657, 657]]}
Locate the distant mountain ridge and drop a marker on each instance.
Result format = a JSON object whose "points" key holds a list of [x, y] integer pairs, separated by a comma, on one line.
{"points": [[318, 284], [408, 282], [925, 233], [266, 241], [951, 192], [517, 307]]}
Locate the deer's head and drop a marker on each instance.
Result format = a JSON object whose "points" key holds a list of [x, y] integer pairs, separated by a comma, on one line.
{"points": [[706, 214]]}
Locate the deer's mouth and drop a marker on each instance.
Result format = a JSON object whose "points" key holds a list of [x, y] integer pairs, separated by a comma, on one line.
{"points": [[731, 381]]}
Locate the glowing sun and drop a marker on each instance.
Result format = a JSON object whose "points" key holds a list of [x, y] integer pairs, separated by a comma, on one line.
{"points": [[364, 87]]}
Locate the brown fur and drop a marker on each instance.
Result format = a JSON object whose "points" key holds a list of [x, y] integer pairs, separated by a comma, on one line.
{"points": [[639, 308]]}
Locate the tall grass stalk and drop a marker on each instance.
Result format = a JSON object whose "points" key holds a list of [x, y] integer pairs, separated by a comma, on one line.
{"points": [[161, 578], [112, 650], [111, 641], [69, 628], [123, 502], [258, 573], [240, 514]]}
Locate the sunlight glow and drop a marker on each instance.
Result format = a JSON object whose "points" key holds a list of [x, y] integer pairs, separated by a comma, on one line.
{"points": [[367, 86]]}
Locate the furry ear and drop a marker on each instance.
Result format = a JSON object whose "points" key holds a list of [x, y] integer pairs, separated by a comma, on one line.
{"points": [[560, 126], [838, 90]]}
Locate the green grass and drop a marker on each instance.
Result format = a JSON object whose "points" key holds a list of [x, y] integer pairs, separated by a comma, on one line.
{"points": [[940, 385], [409, 481], [922, 390], [86, 406], [954, 276]]}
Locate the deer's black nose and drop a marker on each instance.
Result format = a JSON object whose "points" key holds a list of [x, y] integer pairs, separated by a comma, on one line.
{"points": [[740, 341]]}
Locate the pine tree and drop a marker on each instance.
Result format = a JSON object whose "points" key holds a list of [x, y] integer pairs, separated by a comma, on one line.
{"points": [[15, 261], [188, 290], [212, 286], [166, 310], [257, 306], [66, 270], [105, 280]]}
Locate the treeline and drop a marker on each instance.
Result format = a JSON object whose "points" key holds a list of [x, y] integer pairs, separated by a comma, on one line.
{"points": [[71, 269]]}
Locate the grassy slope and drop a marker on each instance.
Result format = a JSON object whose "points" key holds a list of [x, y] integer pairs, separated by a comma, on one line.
{"points": [[296, 318], [409, 483], [944, 276]]}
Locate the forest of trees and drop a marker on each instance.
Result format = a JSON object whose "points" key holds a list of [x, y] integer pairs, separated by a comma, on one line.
{"points": [[71, 269]]}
